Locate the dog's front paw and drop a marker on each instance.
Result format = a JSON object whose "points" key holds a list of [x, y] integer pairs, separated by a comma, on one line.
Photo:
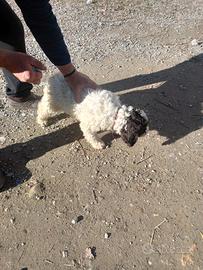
{"points": [[42, 122], [99, 145]]}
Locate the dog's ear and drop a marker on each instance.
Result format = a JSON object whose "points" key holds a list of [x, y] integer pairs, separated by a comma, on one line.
{"points": [[139, 117], [136, 126], [129, 133]]}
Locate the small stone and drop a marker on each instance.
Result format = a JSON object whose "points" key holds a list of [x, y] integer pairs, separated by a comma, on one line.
{"points": [[90, 253], [2, 140], [107, 235], [194, 42], [88, 2], [12, 220], [77, 220], [149, 262], [65, 253], [37, 191], [23, 244], [73, 221]]}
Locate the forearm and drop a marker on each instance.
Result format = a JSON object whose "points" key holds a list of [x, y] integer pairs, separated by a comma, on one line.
{"points": [[66, 69], [2, 58], [43, 25]]}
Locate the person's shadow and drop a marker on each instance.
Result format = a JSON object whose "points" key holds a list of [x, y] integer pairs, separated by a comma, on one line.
{"points": [[15, 157], [173, 108]]}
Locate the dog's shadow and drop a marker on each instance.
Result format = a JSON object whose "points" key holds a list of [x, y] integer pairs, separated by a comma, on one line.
{"points": [[174, 110], [56, 118], [174, 106]]}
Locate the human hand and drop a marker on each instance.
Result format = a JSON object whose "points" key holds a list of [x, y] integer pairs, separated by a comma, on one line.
{"points": [[23, 66], [78, 81]]}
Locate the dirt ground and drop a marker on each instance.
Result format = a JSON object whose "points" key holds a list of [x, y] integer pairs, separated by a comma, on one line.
{"points": [[137, 208]]}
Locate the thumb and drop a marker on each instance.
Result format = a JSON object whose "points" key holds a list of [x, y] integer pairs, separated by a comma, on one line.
{"points": [[36, 63], [77, 96]]}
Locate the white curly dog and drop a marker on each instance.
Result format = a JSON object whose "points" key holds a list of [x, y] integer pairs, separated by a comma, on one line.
{"points": [[100, 110]]}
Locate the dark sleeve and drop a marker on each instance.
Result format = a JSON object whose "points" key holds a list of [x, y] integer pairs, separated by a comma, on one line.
{"points": [[40, 19]]}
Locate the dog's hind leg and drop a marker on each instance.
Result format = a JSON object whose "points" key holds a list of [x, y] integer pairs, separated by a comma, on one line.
{"points": [[44, 111], [92, 138]]}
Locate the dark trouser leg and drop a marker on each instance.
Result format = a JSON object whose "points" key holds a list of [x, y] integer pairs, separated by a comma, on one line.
{"points": [[12, 33]]}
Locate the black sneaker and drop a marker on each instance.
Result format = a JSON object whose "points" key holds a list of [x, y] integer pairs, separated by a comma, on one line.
{"points": [[2, 179]]}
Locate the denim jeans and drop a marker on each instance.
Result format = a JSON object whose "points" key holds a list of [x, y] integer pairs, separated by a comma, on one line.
{"points": [[12, 38]]}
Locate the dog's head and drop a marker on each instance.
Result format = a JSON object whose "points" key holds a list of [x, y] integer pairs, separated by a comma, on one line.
{"points": [[136, 126]]}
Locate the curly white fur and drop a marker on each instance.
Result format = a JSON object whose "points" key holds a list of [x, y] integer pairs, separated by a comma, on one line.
{"points": [[100, 110]]}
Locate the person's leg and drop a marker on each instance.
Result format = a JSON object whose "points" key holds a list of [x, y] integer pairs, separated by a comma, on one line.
{"points": [[2, 179], [12, 38]]}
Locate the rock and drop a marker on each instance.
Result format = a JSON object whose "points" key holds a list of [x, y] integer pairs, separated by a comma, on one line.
{"points": [[77, 220], [73, 221], [54, 203], [194, 42], [37, 191], [88, 2], [65, 253], [90, 253], [149, 262], [12, 220], [107, 235], [2, 139]]}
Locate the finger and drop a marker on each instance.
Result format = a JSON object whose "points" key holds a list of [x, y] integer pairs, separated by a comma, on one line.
{"points": [[32, 77], [37, 76], [37, 64], [27, 76], [77, 96]]}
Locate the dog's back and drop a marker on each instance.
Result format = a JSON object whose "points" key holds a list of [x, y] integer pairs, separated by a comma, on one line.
{"points": [[97, 108]]}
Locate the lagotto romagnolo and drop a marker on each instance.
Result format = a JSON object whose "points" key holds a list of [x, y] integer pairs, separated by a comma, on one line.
{"points": [[100, 110]]}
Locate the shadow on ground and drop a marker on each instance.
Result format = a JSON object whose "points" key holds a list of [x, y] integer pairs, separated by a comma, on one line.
{"points": [[16, 156], [174, 110], [174, 107]]}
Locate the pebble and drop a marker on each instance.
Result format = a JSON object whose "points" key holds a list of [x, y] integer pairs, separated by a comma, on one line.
{"points": [[77, 220], [12, 220], [37, 191], [88, 2], [90, 253], [149, 262], [194, 42], [54, 203], [2, 140], [107, 235], [73, 221], [65, 253]]}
